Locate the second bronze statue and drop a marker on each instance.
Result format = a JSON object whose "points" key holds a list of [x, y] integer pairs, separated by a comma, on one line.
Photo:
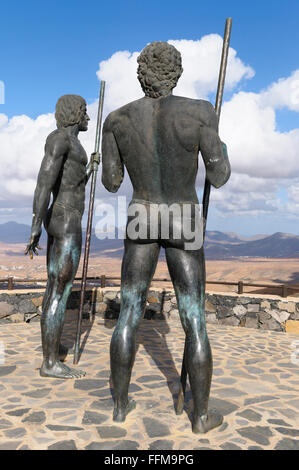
{"points": [[158, 138], [63, 175]]}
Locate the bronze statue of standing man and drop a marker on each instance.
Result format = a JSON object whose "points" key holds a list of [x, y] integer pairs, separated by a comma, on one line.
{"points": [[63, 175], [158, 138]]}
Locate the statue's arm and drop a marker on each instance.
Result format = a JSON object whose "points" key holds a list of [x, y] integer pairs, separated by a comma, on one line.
{"points": [[55, 150], [112, 166], [214, 152]]}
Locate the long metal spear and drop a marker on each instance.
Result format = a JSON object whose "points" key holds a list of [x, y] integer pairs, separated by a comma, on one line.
{"points": [[207, 187], [90, 216]]}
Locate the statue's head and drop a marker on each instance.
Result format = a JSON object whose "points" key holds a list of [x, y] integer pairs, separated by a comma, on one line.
{"points": [[160, 67], [71, 110]]}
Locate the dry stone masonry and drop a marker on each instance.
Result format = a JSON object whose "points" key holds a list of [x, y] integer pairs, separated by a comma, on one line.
{"points": [[249, 311]]}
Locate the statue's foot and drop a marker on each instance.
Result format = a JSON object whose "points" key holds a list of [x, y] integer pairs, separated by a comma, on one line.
{"points": [[207, 422], [63, 351], [60, 371], [120, 413]]}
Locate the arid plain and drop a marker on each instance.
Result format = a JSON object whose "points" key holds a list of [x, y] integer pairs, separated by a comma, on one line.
{"points": [[248, 270]]}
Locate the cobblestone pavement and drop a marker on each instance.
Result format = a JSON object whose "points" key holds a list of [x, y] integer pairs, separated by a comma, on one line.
{"points": [[255, 385]]}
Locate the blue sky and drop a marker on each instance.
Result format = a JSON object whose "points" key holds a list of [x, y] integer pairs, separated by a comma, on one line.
{"points": [[49, 49]]}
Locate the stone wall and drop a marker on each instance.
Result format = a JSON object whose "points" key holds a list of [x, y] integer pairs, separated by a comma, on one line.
{"points": [[249, 311]]}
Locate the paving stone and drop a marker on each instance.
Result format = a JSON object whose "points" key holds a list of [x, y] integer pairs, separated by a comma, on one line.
{"points": [[106, 392], [287, 444], [154, 385], [104, 373], [294, 403], [105, 404], [59, 427], [155, 428], [230, 446], [19, 412], [203, 448], [134, 388], [258, 434], [39, 393], [254, 370], [91, 417], [225, 380], [260, 399], [89, 384], [253, 361], [288, 431], [229, 392], [149, 404], [37, 417], [224, 407], [223, 427], [280, 422], [250, 414], [10, 445], [161, 444], [149, 378], [113, 445], [74, 404], [16, 432], [106, 432], [4, 423], [217, 372], [63, 445], [6, 370]]}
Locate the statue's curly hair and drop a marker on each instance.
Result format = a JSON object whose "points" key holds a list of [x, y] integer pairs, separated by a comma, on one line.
{"points": [[160, 67], [69, 110]]}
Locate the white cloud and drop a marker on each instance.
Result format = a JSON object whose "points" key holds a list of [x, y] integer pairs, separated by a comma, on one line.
{"points": [[119, 73], [201, 61], [283, 93], [255, 145], [21, 142]]}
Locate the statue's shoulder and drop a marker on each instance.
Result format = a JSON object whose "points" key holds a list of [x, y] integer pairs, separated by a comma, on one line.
{"points": [[199, 109], [57, 139], [118, 115]]}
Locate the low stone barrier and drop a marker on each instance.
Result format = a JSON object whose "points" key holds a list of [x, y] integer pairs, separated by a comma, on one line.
{"points": [[249, 311]]}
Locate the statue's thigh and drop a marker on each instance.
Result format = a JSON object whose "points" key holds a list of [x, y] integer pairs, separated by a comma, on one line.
{"points": [[65, 257], [187, 271], [139, 264]]}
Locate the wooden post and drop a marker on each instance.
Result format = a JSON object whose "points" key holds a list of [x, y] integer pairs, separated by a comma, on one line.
{"points": [[103, 281], [240, 287], [284, 290], [10, 283]]}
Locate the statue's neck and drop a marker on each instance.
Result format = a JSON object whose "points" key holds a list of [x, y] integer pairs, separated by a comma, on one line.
{"points": [[73, 131]]}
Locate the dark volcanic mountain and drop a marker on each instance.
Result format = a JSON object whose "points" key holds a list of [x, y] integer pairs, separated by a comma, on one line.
{"points": [[218, 245]]}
